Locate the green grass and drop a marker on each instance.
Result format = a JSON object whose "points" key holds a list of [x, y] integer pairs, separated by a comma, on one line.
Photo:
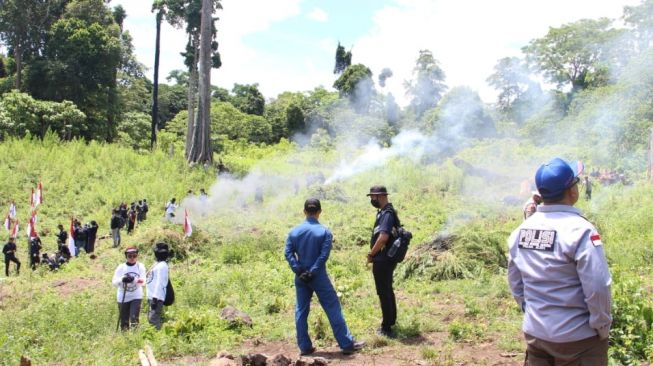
{"points": [[235, 256]]}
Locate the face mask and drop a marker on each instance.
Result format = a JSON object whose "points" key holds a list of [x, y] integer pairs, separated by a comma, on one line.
{"points": [[375, 203]]}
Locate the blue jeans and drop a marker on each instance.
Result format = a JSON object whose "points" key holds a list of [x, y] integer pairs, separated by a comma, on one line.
{"points": [[322, 286]]}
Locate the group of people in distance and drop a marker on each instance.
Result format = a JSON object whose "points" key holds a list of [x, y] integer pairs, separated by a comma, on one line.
{"points": [[123, 215], [84, 237]]}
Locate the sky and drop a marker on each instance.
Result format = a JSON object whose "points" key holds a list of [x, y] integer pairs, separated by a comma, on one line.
{"points": [[289, 45]]}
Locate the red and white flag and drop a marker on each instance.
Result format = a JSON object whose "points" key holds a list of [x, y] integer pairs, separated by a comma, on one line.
{"points": [[188, 227], [31, 226], [14, 232], [71, 238], [7, 223], [12, 210], [38, 195]]}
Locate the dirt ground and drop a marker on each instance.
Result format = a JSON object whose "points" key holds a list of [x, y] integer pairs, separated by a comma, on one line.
{"points": [[379, 352]]}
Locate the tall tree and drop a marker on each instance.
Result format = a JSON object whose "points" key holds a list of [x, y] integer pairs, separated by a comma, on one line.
{"points": [[200, 146], [343, 60], [640, 19], [24, 25], [159, 7], [575, 54], [427, 86], [248, 99], [356, 84]]}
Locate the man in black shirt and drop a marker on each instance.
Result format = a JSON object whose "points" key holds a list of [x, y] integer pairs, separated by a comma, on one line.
{"points": [[115, 225], [62, 236], [35, 247], [383, 267], [9, 250]]}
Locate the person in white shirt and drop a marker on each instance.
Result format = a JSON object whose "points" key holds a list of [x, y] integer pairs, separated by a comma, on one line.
{"points": [[129, 278], [171, 206], [157, 282]]}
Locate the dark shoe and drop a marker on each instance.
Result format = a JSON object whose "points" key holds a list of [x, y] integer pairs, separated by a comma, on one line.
{"points": [[357, 346], [308, 352], [385, 333]]}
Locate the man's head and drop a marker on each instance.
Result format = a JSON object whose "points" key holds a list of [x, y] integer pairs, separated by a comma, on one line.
{"points": [[12, 239], [312, 207], [60, 227], [131, 253], [161, 251], [378, 196], [537, 198], [557, 181]]}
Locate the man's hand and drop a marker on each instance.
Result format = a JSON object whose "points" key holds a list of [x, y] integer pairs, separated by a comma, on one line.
{"points": [[306, 276], [370, 257]]}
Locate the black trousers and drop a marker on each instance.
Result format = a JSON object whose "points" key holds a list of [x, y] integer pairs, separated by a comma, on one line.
{"points": [[34, 260], [11, 259], [383, 273], [129, 313]]}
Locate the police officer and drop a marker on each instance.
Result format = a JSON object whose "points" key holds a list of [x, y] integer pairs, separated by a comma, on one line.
{"points": [[9, 250], [35, 246], [383, 267], [559, 275], [307, 249]]}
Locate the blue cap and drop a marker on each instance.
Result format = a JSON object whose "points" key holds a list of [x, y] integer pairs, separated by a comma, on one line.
{"points": [[554, 177]]}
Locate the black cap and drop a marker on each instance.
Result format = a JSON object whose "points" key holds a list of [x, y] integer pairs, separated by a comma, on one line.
{"points": [[378, 190], [161, 248], [312, 205]]}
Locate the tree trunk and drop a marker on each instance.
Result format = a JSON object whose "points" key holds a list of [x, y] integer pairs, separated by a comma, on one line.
{"points": [[650, 155], [201, 143], [192, 86], [18, 57], [155, 90]]}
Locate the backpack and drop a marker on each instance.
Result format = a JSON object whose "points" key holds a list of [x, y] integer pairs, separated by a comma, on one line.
{"points": [[399, 247], [170, 294]]}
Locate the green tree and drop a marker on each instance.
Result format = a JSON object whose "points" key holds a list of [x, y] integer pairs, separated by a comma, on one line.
{"points": [[640, 19], [20, 114], [24, 26], [343, 60], [228, 121], [356, 84], [575, 54], [461, 114], [427, 85], [134, 129], [200, 138], [83, 56], [248, 99], [286, 114]]}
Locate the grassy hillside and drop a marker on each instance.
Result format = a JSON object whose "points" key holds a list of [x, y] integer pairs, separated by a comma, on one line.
{"points": [[235, 256]]}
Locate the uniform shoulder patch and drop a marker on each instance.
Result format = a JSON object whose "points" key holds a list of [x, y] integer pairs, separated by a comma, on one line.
{"points": [[596, 239], [536, 239]]}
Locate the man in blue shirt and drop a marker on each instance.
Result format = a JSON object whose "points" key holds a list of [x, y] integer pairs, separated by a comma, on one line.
{"points": [[559, 276], [307, 249]]}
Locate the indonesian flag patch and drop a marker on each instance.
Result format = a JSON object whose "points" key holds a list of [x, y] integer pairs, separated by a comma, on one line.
{"points": [[596, 239]]}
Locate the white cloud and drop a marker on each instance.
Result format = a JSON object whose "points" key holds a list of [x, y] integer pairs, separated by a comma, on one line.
{"points": [[466, 36], [318, 15]]}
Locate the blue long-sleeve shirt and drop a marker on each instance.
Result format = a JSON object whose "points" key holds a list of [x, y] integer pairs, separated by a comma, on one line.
{"points": [[308, 247]]}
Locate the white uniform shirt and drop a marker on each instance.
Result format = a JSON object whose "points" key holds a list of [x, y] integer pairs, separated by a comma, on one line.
{"points": [[559, 275], [157, 281], [170, 209], [134, 289]]}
